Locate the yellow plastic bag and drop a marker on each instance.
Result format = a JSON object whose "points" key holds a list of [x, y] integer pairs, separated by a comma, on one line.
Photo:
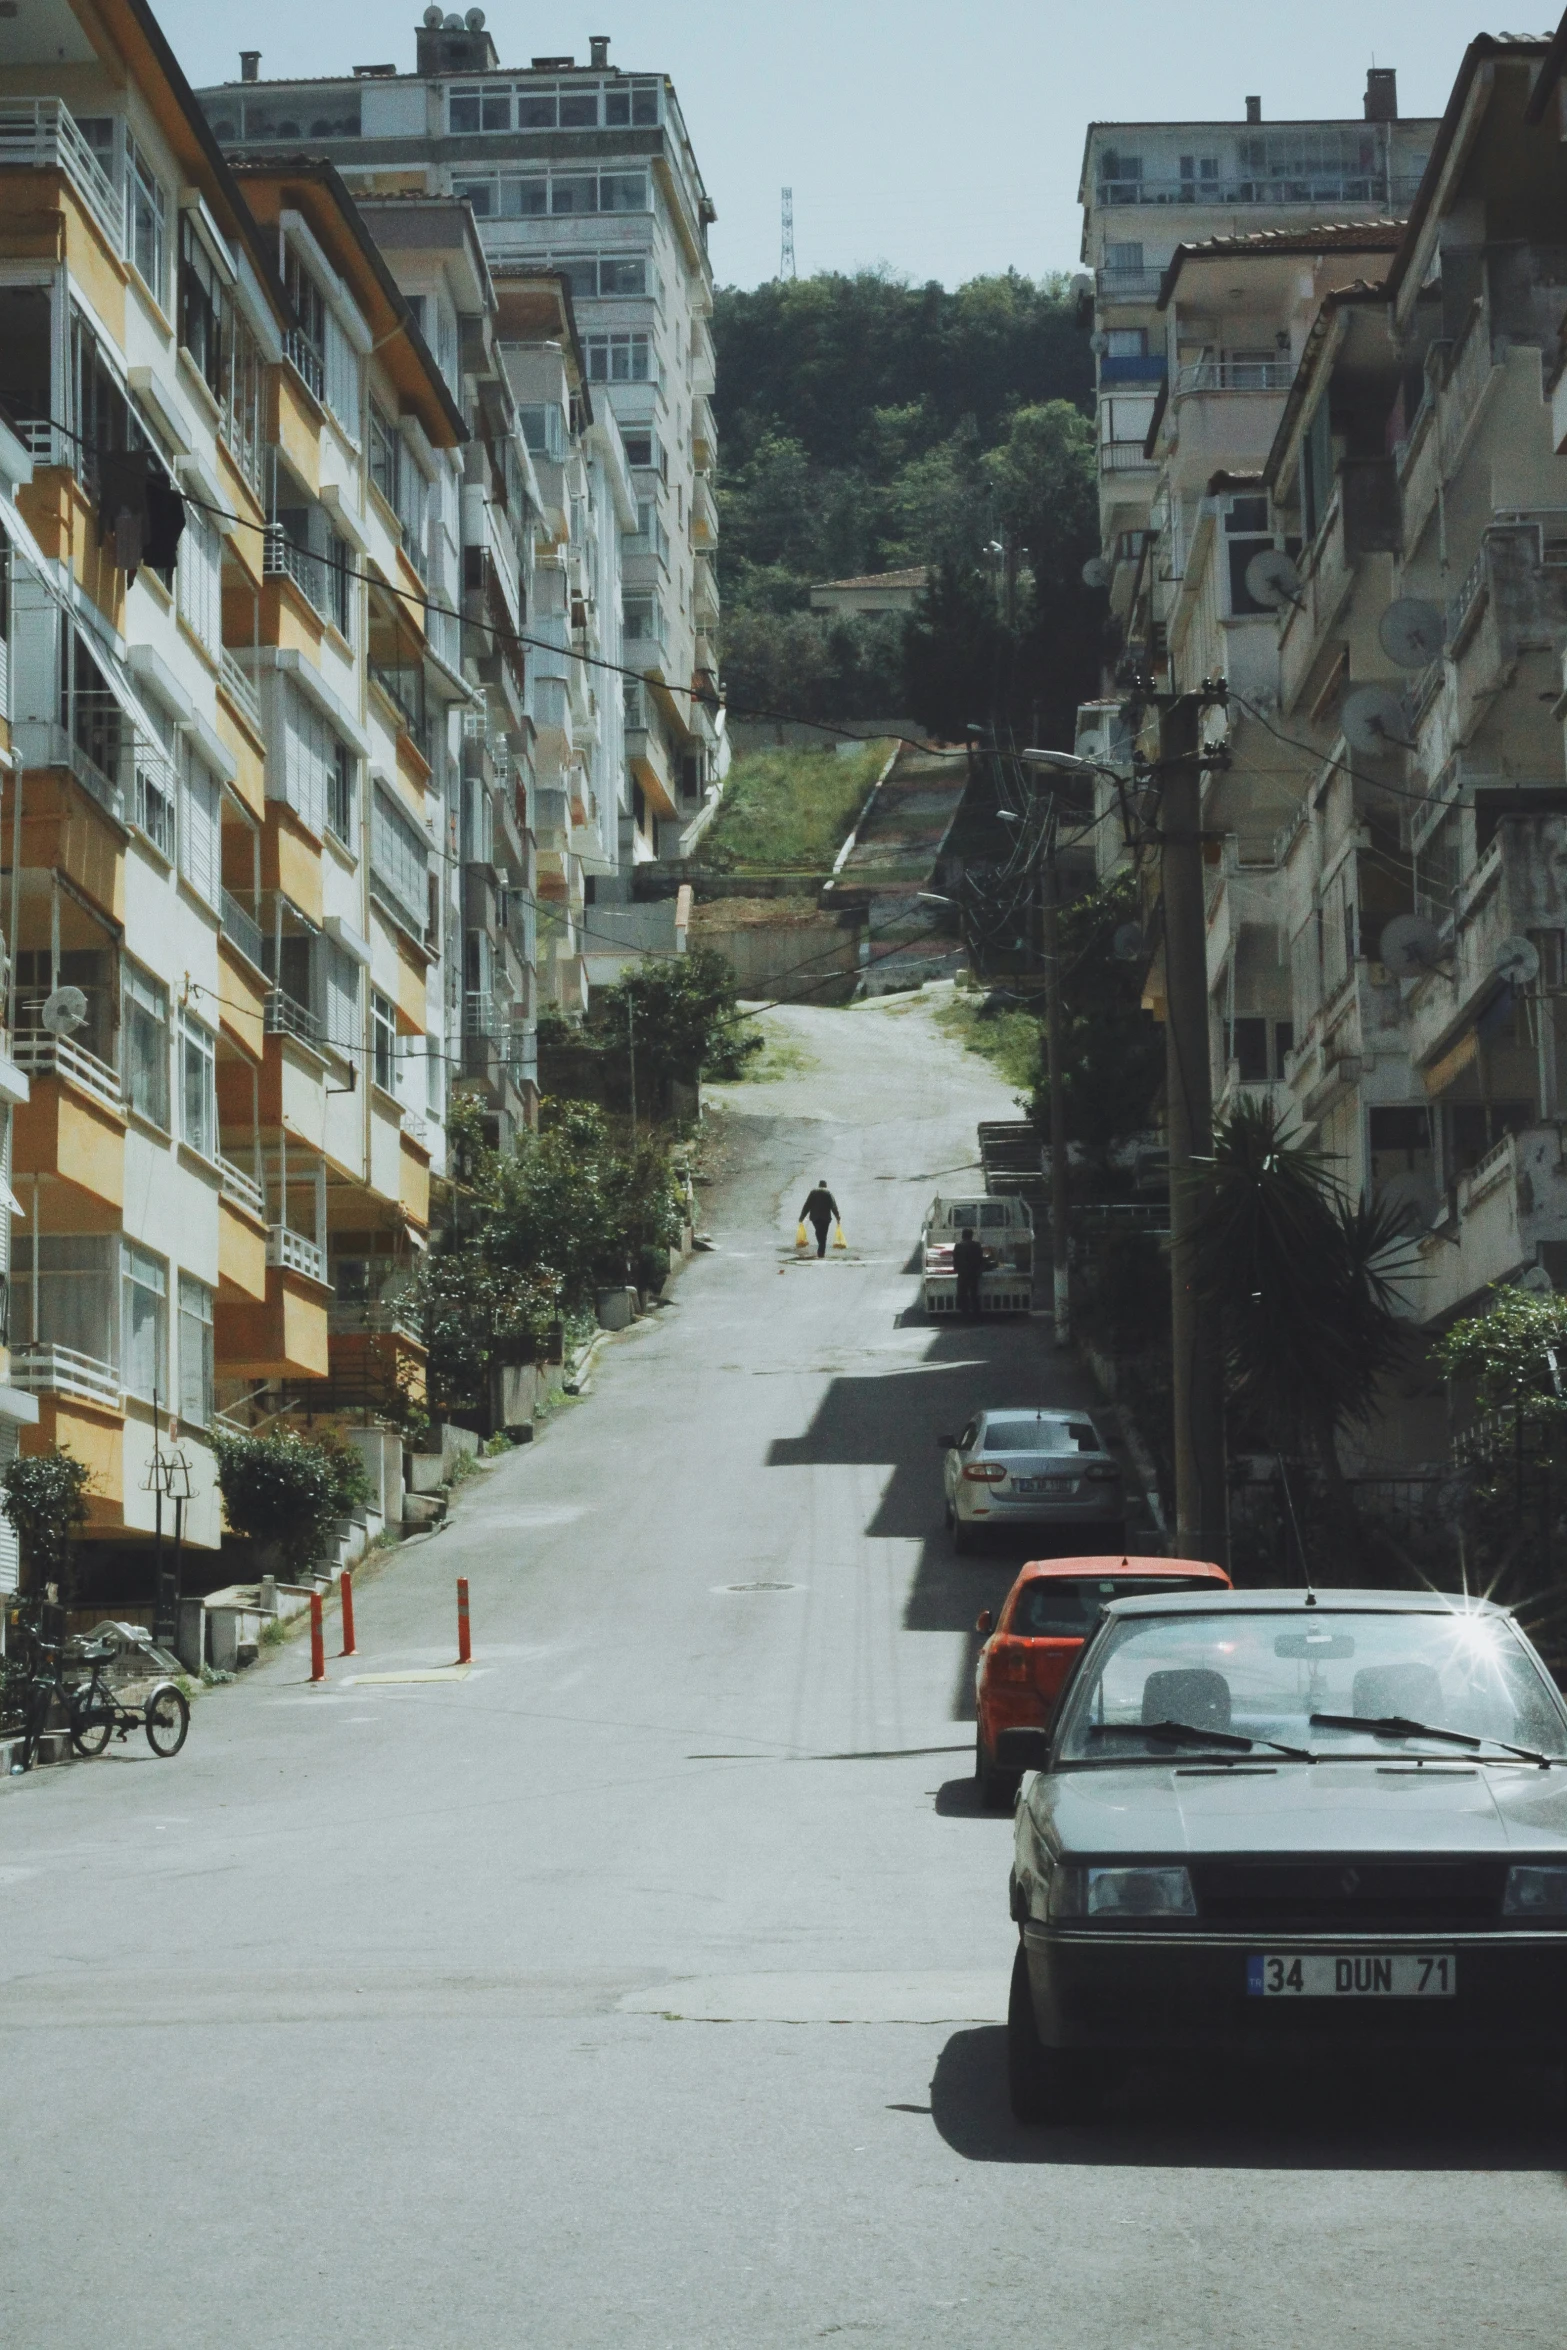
{"points": [[838, 1240], [799, 1236]]}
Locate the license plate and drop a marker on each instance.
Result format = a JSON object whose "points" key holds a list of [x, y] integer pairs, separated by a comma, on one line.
{"points": [[1402, 1974], [1042, 1485]]}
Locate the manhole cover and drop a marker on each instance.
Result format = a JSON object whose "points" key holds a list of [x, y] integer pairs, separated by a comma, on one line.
{"points": [[756, 1586]]}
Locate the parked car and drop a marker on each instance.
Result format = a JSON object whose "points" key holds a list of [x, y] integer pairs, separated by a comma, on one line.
{"points": [[1273, 1820], [1019, 1468], [1004, 1228], [1035, 1636]]}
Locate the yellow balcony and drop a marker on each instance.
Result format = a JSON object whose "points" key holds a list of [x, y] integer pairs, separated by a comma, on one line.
{"points": [[70, 1135]]}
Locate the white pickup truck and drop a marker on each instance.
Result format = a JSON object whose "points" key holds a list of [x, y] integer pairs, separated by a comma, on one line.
{"points": [[1005, 1230]]}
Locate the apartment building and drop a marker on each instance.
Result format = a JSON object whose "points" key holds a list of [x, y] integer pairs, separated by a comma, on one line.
{"points": [[1387, 901], [1147, 188], [588, 171], [237, 474]]}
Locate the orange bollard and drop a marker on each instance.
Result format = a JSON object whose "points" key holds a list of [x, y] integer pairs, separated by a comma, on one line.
{"points": [[464, 1644], [345, 1583], [317, 1644]]}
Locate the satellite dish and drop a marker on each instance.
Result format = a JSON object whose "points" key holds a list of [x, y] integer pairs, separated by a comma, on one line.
{"points": [[1517, 960], [434, 18], [1096, 572], [474, 20], [1410, 632], [1536, 1281], [1272, 579], [1082, 286], [1099, 343], [1373, 722], [64, 1011], [1409, 945], [1127, 945]]}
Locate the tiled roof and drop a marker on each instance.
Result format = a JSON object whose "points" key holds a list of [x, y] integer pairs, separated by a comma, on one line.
{"points": [[879, 579], [1355, 236]]}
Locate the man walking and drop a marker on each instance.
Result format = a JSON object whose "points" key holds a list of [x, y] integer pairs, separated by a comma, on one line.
{"points": [[968, 1262], [820, 1212]]}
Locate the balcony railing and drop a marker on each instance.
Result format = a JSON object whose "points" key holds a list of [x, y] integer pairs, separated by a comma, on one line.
{"points": [[42, 1055], [1462, 604], [59, 1370], [1128, 285], [395, 1318], [479, 1015], [311, 574], [242, 929], [239, 1187], [306, 362], [1304, 187], [42, 133], [286, 1017], [1124, 457], [1234, 375], [241, 690], [295, 1254]]}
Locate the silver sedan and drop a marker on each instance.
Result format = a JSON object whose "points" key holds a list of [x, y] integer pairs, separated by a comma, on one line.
{"points": [[1020, 1468]]}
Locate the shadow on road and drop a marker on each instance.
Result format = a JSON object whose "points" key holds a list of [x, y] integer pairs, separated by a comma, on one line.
{"points": [[894, 1418], [1283, 2118]]}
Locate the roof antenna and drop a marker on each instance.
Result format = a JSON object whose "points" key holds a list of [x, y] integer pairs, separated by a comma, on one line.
{"points": [[1289, 1499]]}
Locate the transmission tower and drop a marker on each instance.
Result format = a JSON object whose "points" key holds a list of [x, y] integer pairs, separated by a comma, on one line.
{"points": [[786, 266]]}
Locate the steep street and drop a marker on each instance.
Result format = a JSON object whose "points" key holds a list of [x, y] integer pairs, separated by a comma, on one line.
{"points": [[646, 1985]]}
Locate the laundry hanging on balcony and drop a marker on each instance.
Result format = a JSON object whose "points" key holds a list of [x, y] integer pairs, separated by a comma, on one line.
{"points": [[140, 510]]}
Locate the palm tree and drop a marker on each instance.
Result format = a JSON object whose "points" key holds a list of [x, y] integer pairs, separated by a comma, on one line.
{"points": [[1305, 1282]]}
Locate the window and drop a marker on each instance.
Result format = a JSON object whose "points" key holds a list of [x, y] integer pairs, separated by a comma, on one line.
{"points": [[342, 1000], [198, 1088], [311, 755], [340, 793], [536, 110], [341, 376], [1127, 342], [622, 276], [478, 108], [383, 1025], [309, 303], [1125, 419], [576, 191], [643, 621], [201, 309], [623, 192], [579, 110], [386, 454], [144, 1045], [201, 580], [71, 1304], [152, 809], [146, 220], [480, 194], [524, 199], [201, 838], [1248, 533], [197, 1397], [637, 105], [144, 1324], [1124, 260], [620, 359], [544, 430], [399, 860], [340, 584]]}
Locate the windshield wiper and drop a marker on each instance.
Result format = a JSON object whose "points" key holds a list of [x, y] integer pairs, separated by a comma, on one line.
{"points": [[1398, 1726], [1185, 1733]]}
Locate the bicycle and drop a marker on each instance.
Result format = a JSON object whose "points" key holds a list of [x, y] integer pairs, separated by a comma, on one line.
{"points": [[94, 1711]]}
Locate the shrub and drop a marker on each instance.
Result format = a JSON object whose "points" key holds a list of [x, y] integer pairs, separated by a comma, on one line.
{"points": [[44, 1502], [281, 1489]]}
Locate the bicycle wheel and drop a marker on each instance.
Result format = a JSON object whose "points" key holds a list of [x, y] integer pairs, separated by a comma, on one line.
{"points": [[168, 1719], [90, 1734]]}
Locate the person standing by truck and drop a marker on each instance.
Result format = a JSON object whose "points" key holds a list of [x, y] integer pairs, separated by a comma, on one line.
{"points": [[968, 1263], [820, 1212]]}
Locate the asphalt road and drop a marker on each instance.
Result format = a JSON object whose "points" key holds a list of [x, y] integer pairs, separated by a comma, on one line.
{"points": [[644, 1987]]}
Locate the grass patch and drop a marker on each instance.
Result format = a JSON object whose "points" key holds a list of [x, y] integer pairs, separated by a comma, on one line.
{"points": [[789, 811], [781, 1055], [1009, 1040]]}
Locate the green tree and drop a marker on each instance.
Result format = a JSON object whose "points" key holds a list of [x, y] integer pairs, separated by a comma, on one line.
{"points": [[1113, 1051], [45, 1500], [678, 1016], [1514, 1353], [1305, 1281]]}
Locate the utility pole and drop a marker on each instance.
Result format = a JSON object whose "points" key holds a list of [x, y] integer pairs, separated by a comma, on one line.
{"points": [[1201, 1499], [1059, 1240], [786, 267]]}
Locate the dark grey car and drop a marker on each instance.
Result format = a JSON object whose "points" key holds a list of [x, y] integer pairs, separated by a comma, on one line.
{"points": [[1271, 1820]]}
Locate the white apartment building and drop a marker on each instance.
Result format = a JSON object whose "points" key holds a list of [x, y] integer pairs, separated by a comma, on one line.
{"points": [[1149, 187], [588, 171]]}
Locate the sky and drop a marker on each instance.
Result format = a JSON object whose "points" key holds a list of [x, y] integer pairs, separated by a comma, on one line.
{"points": [[937, 140]]}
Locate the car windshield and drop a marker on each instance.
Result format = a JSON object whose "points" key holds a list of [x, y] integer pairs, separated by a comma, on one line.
{"points": [[1066, 1607], [1264, 1676], [1037, 1434]]}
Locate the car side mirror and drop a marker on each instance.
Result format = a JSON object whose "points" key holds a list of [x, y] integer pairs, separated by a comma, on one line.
{"points": [[984, 1620], [948, 1443], [1022, 1750]]}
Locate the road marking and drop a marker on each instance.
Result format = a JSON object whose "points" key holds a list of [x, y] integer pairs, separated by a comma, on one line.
{"points": [[938, 1997], [419, 1673]]}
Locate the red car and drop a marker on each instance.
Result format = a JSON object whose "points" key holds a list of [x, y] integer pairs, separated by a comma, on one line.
{"points": [[1044, 1620]]}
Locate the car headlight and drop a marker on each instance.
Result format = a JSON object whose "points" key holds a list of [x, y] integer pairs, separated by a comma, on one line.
{"points": [[1121, 1893], [1534, 1891]]}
